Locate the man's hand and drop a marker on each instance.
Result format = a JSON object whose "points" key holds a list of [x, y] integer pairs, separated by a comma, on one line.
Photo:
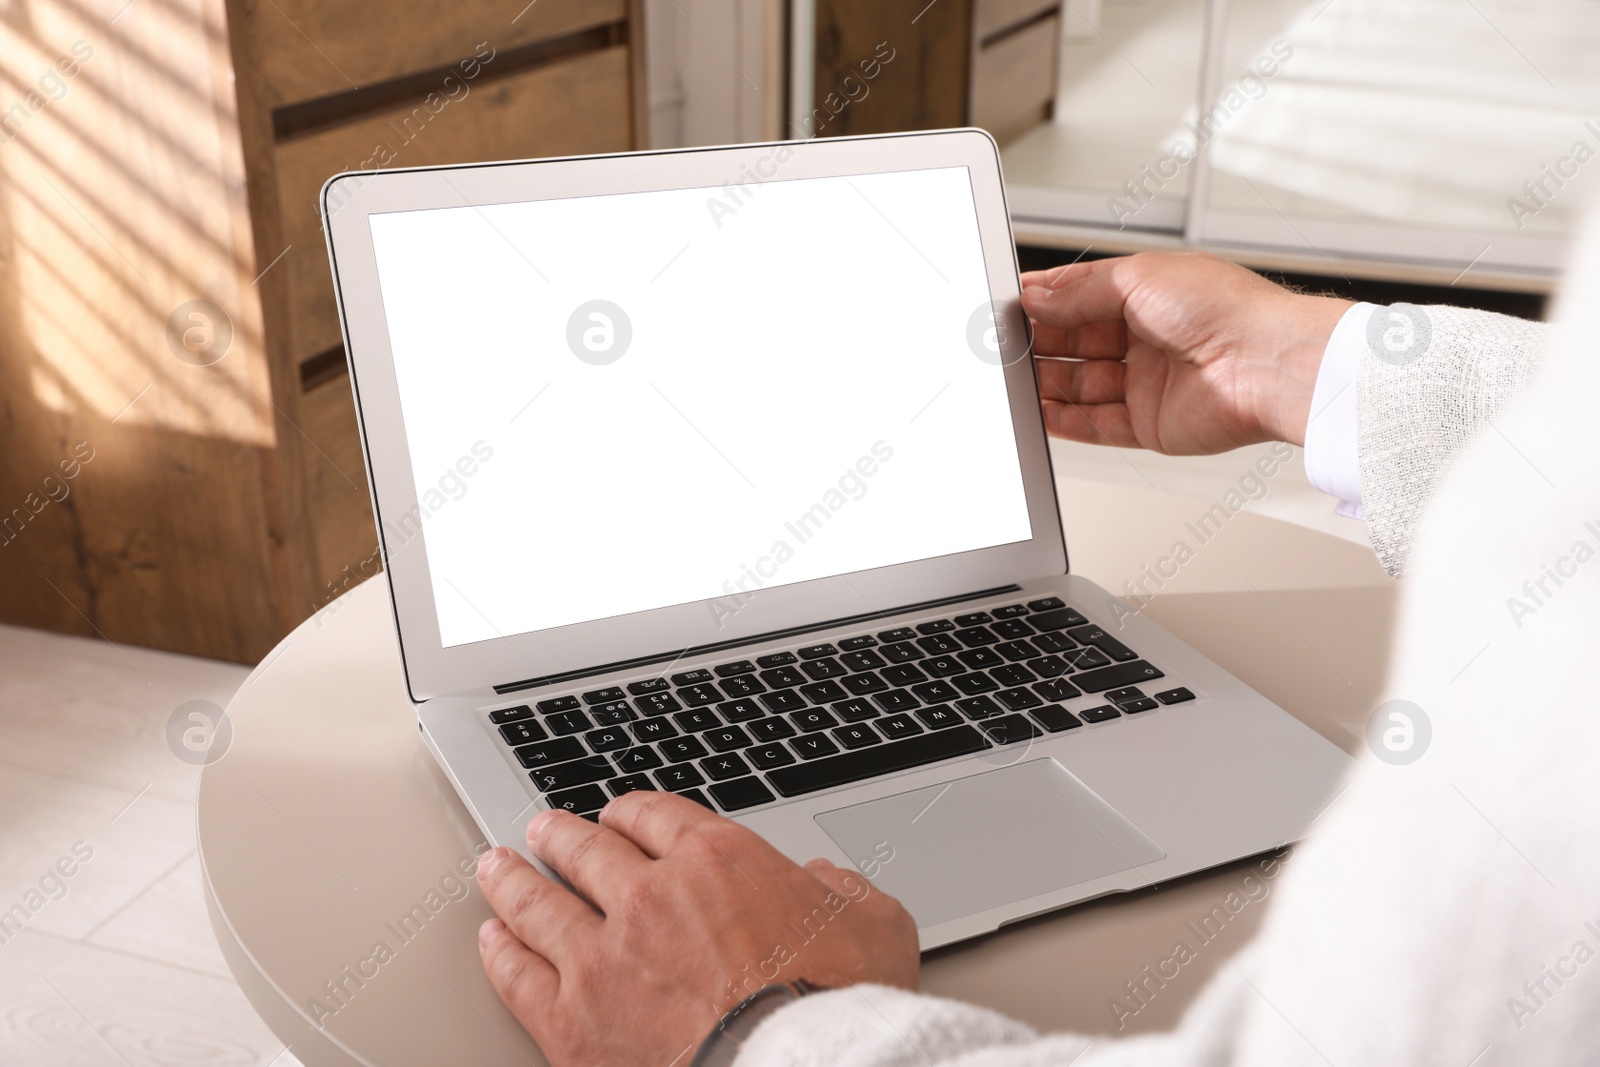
{"points": [[683, 915], [1177, 352]]}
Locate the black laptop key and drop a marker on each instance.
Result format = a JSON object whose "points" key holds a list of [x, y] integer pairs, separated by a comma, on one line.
{"points": [[1127, 692], [978, 708], [1048, 666], [785, 677], [567, 722], [766, 757], [608, 739], [935, 626], [1118, 674], [601, 696], [742, 710], [1131, 707], [939, 716], [654, 730], [1011, 674], [648, 685], [522, 733], [864, 660], [696, 795], [1093, 635], [976, 618], [773, 729], [902, 675], [944, 666], [1046, 604], [939, 645], [935, 692], [856, 644], [818, 651], [560, 750], [904, 652], [1086, 659], [737, 667], [1016, 651], [682, 749], [871, 762], [813, 719], [894, 727], [1011, 629], [1052, 642], [579, 801], [505, 715], [643, 758], [1100, 714], [1018, 699], [726, 739], [902, 633], [682, 776], [862, 684], [657, 703], [611, 713], [721, 768], [1009, 729], [783, 700], [575, 772], [742, 686], [974, 683], [858, 735], [630, 783], [698, 696], [827, 667], [1055, 718], [814, 746], [855, 710], [977, 659], [691, 677], [696, 719], [555, 704], [775, 659], [895, 700], [976, 636], [823, 692], [741, 793], [1175, 696], [1057, 689]]}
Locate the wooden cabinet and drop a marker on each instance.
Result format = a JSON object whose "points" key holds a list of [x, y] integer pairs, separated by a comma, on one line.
{"points": [[168, 307], [911, 65]]}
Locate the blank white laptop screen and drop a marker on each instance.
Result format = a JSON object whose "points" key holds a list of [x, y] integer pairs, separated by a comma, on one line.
{"points": [[624, 402]]}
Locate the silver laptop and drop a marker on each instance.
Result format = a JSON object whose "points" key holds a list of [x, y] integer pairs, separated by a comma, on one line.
{"points": [[722, 471]]}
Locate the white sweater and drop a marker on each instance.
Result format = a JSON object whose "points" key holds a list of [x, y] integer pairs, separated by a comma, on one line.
{"points": [[1448, 911]]}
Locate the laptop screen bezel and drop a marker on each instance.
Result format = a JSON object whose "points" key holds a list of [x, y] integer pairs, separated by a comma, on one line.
{"points": [[431, 668]]}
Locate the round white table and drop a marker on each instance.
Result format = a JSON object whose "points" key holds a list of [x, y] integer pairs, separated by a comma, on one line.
{"points": [[332, 843]]}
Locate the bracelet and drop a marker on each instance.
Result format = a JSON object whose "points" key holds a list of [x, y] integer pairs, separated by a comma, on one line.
{"points": [[721, 1046]]}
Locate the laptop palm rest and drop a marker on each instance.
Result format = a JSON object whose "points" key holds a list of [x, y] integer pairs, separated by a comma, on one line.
{"points": [[960, 848]]}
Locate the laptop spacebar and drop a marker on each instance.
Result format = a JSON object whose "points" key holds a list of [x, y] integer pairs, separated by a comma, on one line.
{"points": [[879, 759]]}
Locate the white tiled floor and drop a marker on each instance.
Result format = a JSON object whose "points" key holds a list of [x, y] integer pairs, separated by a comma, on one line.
{"points": [[123, 968]]}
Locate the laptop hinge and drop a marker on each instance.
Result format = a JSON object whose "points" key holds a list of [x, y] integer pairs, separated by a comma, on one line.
{"points": [[720, 646]]}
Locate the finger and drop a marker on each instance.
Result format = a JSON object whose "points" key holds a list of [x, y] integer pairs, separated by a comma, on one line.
{"points": [[1055, 277], [659, 823], [1097, 340], [547, 916], [1094, 382], [1099, 296], [596, 860], [526, 982], [1094, 424]]}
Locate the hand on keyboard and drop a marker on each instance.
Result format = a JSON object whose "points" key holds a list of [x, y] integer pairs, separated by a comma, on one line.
{"points": [[687, 913]]}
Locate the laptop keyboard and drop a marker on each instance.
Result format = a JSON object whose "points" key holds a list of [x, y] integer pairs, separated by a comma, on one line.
{"points": [[753, 731]]}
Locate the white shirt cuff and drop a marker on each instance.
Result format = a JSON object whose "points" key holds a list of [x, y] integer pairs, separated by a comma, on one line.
{"points": [[1331, 452]]}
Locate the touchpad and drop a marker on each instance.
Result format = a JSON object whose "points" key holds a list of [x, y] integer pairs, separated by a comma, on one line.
{"points": [[962, 847]]}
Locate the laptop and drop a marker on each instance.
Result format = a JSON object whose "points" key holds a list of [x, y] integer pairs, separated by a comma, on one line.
{"points": [[722, 471]]}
